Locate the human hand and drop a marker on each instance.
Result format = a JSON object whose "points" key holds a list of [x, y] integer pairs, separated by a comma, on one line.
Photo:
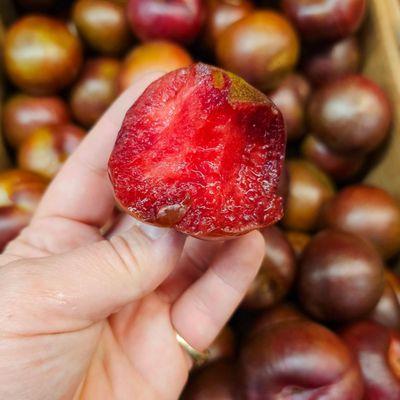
{"points": [[84, 317]]}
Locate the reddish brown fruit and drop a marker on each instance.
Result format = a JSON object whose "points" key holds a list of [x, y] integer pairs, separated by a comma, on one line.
{"points": [[22, 114], [298, 241], [21, 192], [309, 190], [95, 90], [262, 48], [103, 25], [177, 20], [332, 62], [157, 56], [351, 115], [325, 19], [223, 346], [298, 359], [41, 55], [378, 351], [369, 212], [46, 149], [340, 277], [291, 98], [201, 151], [277, 272], [222, 13], [215, 381], [341, 167]]}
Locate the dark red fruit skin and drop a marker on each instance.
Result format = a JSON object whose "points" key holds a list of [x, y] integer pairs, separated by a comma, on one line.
{"points": [[95, 90], [341, 167], [215, 381], [21, 193], [394, 281], [319, 20], [223, 346], [215, 169], [377, 349], [298, 359], [387, 311], [351, 115], [22, 114], [369, 212], [331, 62], [340, 277], [291, 98], [177, 20], [277, 272]]}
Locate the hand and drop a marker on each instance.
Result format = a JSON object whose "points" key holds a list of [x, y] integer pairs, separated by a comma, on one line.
{"points": [[84, 317]]}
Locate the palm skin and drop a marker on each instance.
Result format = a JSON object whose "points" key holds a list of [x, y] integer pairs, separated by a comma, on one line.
{"points": [[88, 318]]}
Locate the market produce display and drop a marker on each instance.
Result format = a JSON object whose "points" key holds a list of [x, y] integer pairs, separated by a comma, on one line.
{"points": [[262, 120]]}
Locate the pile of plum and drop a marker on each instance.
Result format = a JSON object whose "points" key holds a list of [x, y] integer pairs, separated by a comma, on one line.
{"points": [[262, 121]]}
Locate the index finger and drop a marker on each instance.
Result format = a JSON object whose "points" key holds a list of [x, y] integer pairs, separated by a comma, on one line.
{"points": [[82, 191]]}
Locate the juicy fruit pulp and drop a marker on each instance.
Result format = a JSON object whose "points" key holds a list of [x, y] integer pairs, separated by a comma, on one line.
{"points": [[201, 151]]}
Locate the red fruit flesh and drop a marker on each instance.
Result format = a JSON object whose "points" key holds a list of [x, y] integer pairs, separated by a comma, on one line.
{"points": [[201, 151]]}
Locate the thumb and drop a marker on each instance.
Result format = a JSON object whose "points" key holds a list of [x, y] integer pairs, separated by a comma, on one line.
{"points": [[70, 291]]}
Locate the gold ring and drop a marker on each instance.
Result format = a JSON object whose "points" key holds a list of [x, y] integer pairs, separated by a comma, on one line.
{"points": [[198, 357]]}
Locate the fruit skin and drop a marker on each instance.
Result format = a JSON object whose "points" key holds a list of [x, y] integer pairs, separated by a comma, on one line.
{"points": [[309, 190], [298, 359], [46, 149], [351, 115], [223, 346], [221, 14], [197, 188], [340, 277], [176, 20], [262, 48], [291, 98], [103, 25], [378, 351], [215, 381], [320, 20], [369, 212], [277, 272], [41, 56], [95, 90], [20, 192], [159, 55], [387, 311], [331, 62], [298, 241], [340, 167], [22, 114]]}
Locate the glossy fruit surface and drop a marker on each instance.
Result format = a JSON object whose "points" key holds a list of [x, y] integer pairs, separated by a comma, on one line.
{"points": [[157, 56], [176, 20], [222, 13], [191, 154], [262, 48], [298, 359], [215, 381], [330, 62], [340, 277], [378, 351], [103, 25], [277, 272], [291, 98], [22, 114], [369, 212], [95, 90], [325, 19], [309, 190], [350, 115], [41, 56], [298, 241], [341, 167], [46, 149], [20, 193]]}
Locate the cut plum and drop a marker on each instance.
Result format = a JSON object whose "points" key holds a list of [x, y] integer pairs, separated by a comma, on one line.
{"points": [[201, 151]]}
